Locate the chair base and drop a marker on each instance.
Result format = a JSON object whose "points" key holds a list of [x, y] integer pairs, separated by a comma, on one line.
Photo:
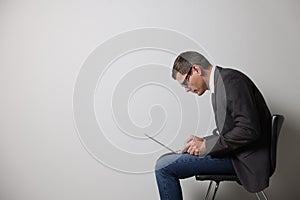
{"points": [[265, 197]]}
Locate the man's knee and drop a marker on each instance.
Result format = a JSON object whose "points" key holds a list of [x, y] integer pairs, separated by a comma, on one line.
{"points": [[160, 163], [165, 161]]}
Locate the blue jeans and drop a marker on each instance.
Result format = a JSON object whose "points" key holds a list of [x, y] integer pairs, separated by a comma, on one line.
{"points": [[171, 167]]}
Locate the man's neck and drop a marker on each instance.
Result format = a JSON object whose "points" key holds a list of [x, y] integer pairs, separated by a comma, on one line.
{"points": [[207, 77]]}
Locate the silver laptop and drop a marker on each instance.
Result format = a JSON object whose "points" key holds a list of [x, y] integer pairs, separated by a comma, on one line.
{"points": [[158, 142]]}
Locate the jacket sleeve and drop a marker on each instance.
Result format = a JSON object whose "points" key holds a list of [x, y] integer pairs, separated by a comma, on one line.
{"points": [[210, 142], [242, 113]]}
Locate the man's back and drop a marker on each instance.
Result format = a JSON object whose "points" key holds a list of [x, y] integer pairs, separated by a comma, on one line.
{"points": [[244, 123]]}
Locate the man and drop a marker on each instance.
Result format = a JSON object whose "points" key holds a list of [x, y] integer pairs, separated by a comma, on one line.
{"points": [[243, 121]]}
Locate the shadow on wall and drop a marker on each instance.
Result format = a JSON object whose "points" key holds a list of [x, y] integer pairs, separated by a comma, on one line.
{"points": [[284, 181]]}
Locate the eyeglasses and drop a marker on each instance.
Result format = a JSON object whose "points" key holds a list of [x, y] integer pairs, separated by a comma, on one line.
{"points": [[186, 79]]}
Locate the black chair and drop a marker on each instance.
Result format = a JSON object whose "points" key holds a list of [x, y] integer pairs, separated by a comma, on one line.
{"points": [[277, 121]]}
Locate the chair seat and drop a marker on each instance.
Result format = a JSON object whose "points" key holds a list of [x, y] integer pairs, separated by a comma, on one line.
{"points": [[217, 177]]}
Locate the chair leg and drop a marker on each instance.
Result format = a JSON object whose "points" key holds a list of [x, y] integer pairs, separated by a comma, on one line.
{"points": [[257, 196], [208, 190], [263, 194], [216, 189]]}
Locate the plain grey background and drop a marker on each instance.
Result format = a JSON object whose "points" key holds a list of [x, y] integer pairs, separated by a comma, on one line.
{"points": [[43, 45]]}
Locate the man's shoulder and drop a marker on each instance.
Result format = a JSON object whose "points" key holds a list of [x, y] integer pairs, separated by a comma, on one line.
{"points": [[232, 76], [230, 72]]}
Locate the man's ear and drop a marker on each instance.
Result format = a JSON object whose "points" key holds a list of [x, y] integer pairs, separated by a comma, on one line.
{"points": [[198, 69]]}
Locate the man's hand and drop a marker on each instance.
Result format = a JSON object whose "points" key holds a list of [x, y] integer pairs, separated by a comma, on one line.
{"points": [[194, 146]]}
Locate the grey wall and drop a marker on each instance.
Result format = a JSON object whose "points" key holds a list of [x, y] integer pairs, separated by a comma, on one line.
{"points": [[49, 145]]}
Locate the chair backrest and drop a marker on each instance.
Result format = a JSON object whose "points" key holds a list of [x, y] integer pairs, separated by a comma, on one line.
{"points": [[277, 121]]}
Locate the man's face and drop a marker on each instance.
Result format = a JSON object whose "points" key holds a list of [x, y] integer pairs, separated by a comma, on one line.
{"points": [[194, 81]]}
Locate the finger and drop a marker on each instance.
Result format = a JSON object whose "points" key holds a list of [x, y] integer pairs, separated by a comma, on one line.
{"points": [[189, 144], [185, 148], [191, 149], [185, 145], [198, 139], [189, 139], [195, 151]]}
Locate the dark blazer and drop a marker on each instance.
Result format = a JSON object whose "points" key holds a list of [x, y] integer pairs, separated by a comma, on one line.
{"points": [[244, 123]]}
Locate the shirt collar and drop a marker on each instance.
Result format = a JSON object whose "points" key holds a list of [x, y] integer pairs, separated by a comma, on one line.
{"points": [[212, 80]]}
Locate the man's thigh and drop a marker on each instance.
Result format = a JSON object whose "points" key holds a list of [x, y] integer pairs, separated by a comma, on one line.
{"points": [[186, 165]]}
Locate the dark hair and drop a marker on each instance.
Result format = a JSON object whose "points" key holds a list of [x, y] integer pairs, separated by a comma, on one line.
{"points": [[186, 60]]}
